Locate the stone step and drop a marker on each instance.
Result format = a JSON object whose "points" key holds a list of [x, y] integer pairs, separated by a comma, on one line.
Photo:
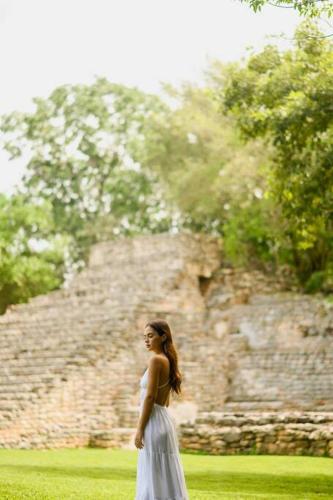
{"points": [[85, 342], [22, 378], [252, 405], [72, 312], [265, 417], [22, 388]]}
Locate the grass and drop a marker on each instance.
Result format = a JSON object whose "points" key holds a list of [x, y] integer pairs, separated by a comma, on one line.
{"points": [[96, 474]]}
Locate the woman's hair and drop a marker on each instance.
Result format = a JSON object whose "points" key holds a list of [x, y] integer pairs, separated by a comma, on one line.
{"points": [[161, 327]]}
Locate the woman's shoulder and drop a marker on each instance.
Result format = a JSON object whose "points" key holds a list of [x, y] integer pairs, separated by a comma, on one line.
{"points": [[158, 360]]}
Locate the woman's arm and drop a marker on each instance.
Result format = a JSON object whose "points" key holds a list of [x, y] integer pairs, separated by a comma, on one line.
{"points": [[154, 369]]}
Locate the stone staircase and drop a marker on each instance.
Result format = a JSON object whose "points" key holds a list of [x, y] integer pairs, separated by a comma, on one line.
{"points": [[71, 360]]}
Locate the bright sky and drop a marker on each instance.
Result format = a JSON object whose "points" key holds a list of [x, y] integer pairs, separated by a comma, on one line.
{"points": [[46, 43]]}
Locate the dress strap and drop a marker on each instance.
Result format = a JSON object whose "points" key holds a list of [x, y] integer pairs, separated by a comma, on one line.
{"points": [[164, 384]]}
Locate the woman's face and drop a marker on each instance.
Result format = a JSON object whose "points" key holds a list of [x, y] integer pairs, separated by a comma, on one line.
{"points": [[153, 341]]}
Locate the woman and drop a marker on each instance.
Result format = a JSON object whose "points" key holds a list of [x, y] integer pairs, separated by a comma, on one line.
{"points": [[160, 473]]}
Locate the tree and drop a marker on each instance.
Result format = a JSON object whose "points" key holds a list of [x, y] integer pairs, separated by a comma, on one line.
{"points": [[32, 262], [286, 98], [310, 8], [82, 140], [214, 179]]}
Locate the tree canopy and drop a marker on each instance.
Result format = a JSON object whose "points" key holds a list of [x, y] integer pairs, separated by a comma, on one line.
{"points": [[287, 98], [210, 175], [82, 140], [247, 156]]}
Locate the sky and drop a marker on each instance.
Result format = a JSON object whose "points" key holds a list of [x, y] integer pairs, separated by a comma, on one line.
{"points": [[46, 43]]}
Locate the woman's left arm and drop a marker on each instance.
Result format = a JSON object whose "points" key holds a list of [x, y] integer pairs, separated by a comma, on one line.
{"points": [[154, 368]]}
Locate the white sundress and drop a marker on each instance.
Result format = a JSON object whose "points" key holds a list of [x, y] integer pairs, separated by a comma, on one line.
{"points": [[160, 474]]}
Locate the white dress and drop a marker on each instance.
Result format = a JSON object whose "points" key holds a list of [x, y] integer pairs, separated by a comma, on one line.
{"points": [[160, 474]]}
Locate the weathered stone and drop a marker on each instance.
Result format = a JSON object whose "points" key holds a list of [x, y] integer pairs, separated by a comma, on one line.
{"points": [[275, 437], [248, 344]]}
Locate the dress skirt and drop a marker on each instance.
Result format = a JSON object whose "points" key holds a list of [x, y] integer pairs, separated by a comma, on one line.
{"points": [[160, 473]]}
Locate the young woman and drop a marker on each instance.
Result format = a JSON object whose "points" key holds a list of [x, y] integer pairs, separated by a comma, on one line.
{"points": [[160, 473]]}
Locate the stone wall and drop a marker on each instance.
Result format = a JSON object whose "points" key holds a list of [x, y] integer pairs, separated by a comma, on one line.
{"points": [[71, 360], [285, 433]]}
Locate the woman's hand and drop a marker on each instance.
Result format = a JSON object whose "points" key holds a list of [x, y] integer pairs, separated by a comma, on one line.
{"points": [[138, 438]]}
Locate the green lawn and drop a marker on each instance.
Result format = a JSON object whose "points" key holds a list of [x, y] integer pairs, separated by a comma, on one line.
{"points": [[94, 474]]}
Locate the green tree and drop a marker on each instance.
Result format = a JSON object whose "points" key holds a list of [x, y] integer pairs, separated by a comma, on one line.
{"points": [[32, 261], [215, 179], [287, 99], [81, 141]]}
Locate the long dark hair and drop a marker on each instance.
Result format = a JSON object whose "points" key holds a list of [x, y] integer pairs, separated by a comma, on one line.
{"points": [[162, 328]]}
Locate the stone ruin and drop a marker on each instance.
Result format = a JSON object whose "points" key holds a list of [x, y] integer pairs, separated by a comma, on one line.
{"points": [[256, 356]]}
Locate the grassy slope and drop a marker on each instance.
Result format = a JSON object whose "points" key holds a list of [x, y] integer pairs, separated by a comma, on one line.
{"points": [[110, 474]]}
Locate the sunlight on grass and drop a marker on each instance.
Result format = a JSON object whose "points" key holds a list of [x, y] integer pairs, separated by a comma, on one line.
{"points": [[85, 473]]}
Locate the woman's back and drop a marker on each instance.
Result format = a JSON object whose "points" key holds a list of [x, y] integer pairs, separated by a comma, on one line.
{"points": [[164, 388]]}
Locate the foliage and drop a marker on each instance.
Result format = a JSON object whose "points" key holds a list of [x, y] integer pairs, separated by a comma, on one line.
{"points": [[320, 281], [213, 178], [253, 236], [81, 141], [107, 160], [287, 99], [25, 270], [310, 8], [186, 148]]}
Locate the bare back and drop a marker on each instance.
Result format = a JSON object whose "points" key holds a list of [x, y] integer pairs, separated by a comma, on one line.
{"points": [[163, 393]]}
